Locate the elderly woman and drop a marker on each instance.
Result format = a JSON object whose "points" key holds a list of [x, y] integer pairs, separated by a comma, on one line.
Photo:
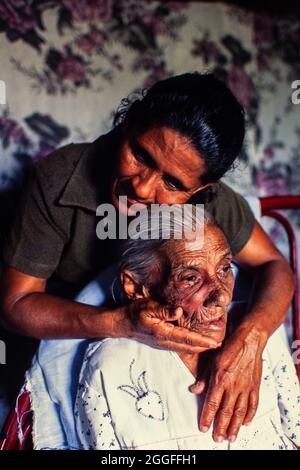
{"points": [[133, 396]]}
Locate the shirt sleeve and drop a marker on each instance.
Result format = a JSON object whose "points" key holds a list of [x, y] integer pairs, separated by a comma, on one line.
{"points": [[288, 395], [36, 239], [234, 216], [93, 419]]}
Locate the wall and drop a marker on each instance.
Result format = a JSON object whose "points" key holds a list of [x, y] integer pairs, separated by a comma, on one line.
{"points": [[68, 65]]}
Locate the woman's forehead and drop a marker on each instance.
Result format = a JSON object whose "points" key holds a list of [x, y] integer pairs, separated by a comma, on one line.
{"points": [[210, 248], [171, 150]]}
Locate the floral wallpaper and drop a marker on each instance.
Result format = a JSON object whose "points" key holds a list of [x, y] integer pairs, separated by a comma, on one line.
{"points": [[67, 64]]}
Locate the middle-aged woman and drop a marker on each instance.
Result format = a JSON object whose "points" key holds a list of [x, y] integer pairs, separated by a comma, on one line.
{"points": [[172, 145]]}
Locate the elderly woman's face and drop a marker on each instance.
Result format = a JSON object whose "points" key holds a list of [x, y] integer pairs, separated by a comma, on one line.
{"points": [[160, 166], [200, 281]]}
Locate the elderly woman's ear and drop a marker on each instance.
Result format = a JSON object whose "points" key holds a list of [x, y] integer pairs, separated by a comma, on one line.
{"points": [[133, 288]]}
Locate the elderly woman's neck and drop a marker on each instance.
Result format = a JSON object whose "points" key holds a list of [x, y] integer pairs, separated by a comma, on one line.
{"points": [[191, 361]]}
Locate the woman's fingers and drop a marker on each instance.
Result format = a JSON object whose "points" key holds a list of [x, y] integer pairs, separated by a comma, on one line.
{"points": [[171, 314], [224, 416], [211, 405], [158, 318], [252, 407], [240, 410], [201, 385], [179, 347], [254, 394], [154, 324], [198, 387], [165, 331]]}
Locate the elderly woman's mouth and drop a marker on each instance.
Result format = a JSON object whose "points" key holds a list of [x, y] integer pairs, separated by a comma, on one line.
{"points": [[214, 324], [218, 324]]}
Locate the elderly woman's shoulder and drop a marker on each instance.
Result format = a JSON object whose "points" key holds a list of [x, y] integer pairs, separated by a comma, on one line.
{"points": [[277, 348], [111, 351]]}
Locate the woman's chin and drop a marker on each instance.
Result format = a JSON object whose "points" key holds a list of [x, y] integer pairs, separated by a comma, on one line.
{"points": [[217, 336], [214, 330]]}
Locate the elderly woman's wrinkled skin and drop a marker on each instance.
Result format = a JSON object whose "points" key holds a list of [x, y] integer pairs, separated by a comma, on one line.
{"points": [[201, 282], [197, 278]]}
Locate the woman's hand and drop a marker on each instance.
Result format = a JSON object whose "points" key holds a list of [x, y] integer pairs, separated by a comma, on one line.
{"points": [[233, 385], [153, 324]]}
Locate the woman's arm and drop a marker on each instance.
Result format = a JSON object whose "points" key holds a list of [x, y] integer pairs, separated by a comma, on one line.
{"points": [[274, 283], [233, 389], [26, 309]]}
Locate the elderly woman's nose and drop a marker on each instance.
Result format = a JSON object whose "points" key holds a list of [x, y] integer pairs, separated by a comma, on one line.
{"points": [[216, 298], [144, 185]]}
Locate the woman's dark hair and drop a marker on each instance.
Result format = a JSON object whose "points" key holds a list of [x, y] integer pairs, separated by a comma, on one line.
{"points": [[198, 106]]}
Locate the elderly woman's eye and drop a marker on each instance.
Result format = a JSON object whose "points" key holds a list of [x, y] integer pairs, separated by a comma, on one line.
{"points": [[227, 268], [189, 278]]}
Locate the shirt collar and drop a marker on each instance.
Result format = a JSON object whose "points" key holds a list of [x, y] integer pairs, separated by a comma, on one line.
{"points": [[89, 183]]}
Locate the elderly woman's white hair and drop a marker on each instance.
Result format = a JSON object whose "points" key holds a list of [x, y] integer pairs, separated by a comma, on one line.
{"points": [[157, 225]]}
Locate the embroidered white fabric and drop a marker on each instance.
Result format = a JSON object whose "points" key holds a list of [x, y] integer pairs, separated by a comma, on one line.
{"points": [[132, 396]]}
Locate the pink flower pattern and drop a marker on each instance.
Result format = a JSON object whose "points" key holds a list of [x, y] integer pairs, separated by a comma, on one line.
{"points": [[85, 58]]}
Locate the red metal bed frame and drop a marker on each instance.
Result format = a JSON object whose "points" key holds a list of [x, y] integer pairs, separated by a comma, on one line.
{"points": [[21, 416], [270, 207]]}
